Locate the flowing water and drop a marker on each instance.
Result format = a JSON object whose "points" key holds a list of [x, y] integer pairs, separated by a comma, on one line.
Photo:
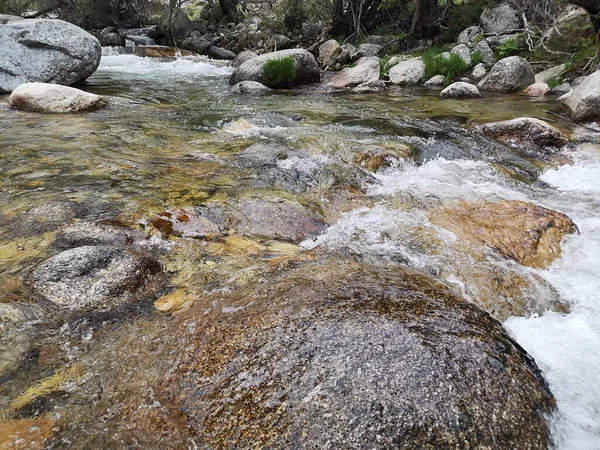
{"points": [[172, 137]]}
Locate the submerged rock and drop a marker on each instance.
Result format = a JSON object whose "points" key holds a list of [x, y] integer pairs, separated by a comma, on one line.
{"points": [[307, 71], [375, 159], [508, 75], [250, 87], [460, 90], [46, 51], [29, 434], [44, 97], [95, 277], [98, 233], [407, 73], [367, 69], [527, 233], [536, 137], [370, 87], [354, 356]]}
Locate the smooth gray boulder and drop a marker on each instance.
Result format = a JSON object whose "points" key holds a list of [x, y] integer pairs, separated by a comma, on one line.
{"points": [[508, 75], [460, 90], [81, 234], [196, 43], [242, 57], [407, 73], [53, 98], [46, 51], [500, 19], [561, 89], [584, 100], [367, 69], [307, 70], [95, 277]]}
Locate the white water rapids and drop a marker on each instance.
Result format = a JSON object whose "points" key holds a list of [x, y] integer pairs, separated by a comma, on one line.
{"points": [[566, 347]]}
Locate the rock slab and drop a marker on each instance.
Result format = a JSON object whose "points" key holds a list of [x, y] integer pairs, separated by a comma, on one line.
{"points": [[46, 51]]}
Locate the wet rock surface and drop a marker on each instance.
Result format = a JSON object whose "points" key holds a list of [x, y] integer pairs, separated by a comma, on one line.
{"points": [[46, 51], [355, 356], [95, 277], [536, 137], [526, 233], [98, 233]]}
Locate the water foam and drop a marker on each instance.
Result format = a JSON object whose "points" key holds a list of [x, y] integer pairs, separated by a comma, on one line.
{"points": [[136, 65]]}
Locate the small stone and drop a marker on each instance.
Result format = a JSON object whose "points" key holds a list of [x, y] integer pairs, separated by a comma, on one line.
{"points": [[479, 71], [435, 81], [537, 90], [250, 87], [460, 90]]}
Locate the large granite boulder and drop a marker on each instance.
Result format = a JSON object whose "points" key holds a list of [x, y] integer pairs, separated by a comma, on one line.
{"points": [[329, 52], [307, 71], [469, 36], [352, 356], [46, 51], [500, 19], [367, 69], [175, 26], [584, 100], [45, 97], [407, 73], [508, 75]]}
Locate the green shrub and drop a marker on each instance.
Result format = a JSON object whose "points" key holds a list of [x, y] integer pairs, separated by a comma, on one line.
{"points": [[279, 73], [436, 64], [462, 15], [553, 82], [476, 58], [385, 66], [509, 48]]}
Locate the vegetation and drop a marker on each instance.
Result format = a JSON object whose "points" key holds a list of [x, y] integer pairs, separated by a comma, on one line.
{"points": [[436, 63], [509, 48], [279, 73]]}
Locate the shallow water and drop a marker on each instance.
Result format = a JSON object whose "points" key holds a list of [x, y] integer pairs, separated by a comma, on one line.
{"points": [[168, 140]]}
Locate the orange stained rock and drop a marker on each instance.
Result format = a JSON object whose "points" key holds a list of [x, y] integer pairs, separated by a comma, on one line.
{"points": [[30, 434], [527, 233]]}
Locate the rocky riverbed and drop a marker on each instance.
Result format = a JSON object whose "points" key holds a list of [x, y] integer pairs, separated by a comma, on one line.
{"points": [[195, 267]]}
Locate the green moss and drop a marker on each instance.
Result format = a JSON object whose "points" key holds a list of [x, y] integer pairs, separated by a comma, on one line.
{"points": [[553, 82], [436, 64], [279, 73]]}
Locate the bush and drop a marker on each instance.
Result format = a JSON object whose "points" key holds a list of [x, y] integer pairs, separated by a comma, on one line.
{"points": [[509, 48], [279, 73], [436, 64]]}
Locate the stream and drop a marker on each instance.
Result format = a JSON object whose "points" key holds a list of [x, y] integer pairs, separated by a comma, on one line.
{"points": [[171, 138]]}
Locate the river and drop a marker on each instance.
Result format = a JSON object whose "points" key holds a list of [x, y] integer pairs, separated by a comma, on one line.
{"points": [[172, 126]]}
